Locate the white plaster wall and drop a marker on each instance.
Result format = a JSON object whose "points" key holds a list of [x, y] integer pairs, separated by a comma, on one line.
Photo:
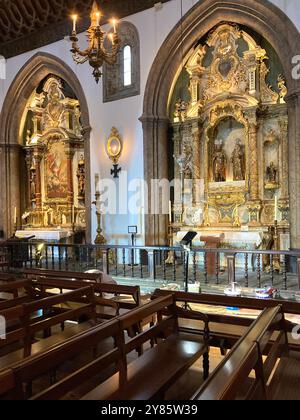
{"points": [[153, 26]]}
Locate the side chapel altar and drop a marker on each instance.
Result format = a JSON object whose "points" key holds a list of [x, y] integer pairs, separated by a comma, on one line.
{"points": [[55, 176], [231, 141]]}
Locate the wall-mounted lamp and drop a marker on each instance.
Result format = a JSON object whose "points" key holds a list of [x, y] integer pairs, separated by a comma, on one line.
{"points": [[114, 149]]}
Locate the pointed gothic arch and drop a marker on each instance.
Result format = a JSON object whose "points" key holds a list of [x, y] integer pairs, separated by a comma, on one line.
{"points": [[28, 78], [264, 18]]}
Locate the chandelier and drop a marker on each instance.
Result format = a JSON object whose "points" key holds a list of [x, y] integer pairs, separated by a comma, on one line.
{"points": [[96, 53]]}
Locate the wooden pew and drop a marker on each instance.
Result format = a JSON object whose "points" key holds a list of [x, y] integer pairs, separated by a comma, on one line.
{"points": [[16, 293], [119, 299], [147, 377], [152, 374], [35, 273], [33, 367], [41, 316], [226, 330], [233, 373]]}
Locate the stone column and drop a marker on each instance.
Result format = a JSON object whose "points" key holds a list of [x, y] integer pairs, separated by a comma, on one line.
{"points": [[293, 102], [156, 146], [10, 195], [284, 181]]}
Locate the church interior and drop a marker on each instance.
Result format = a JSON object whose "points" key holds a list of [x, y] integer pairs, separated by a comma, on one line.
{"points": [[149, 200]]}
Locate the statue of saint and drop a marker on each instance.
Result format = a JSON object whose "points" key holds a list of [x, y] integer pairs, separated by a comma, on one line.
{"points": [[219, 164], [238, 161], [272, 173]]}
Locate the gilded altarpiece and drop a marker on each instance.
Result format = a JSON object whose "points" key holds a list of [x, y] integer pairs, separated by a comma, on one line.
{"points": [[55, 161], [230, 139]]}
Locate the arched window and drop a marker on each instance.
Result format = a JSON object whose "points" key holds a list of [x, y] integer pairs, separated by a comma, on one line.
{"points": [[127, 65], [122, 80]]}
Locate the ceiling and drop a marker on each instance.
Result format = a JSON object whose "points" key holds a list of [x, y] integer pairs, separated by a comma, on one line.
{"points": [[29, 24]]}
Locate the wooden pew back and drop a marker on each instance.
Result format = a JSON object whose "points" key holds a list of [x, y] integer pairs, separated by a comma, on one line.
{"points": [[35, 273], [41, 315], [228, 378], [35, 366]]}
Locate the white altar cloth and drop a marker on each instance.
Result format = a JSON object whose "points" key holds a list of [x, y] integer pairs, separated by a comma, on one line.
{"points": [[45, 235]]}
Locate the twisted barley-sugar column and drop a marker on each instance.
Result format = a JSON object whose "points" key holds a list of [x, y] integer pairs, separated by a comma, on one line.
{"points": [[70, 155], [253, 167], [283, 124], [196, 161], [38, 181]]}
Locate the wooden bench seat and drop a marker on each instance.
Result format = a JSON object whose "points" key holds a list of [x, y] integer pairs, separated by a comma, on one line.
{"points": [[164, 364], [42, 345]]}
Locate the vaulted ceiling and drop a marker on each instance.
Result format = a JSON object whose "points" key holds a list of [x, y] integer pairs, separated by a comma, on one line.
{"points": [[29, 24]]}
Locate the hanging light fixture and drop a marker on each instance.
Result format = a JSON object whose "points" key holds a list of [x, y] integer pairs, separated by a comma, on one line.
{"points": [[96, 53]]}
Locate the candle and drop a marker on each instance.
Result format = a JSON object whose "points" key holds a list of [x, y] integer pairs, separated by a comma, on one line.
{"points": [[15, 216], [114, 24], [97, 182], [276, 208], [170, 211], [98, 18], [111, 37], [74, 17]]}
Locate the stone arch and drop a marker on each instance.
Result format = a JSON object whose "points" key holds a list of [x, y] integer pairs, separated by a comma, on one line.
{"points": [[28, 78], [264, 18]]}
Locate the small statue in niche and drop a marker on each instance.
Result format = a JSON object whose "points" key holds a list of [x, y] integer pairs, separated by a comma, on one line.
{"points": [[180, 112], [272, 174], [81, 178], [282, 88], [238, 161], [219, 163]]}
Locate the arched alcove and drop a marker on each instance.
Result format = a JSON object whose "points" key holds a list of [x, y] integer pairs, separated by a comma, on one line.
{"points": [[265, 19], [27, 80]]}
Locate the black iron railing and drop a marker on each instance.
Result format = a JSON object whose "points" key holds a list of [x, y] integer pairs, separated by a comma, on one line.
{"points": [[213, 267]]}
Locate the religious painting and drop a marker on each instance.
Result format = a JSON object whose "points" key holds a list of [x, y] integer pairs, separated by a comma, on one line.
{"points": [[56, 172]]}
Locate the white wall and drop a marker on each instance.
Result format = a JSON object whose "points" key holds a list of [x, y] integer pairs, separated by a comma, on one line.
{"points": [[153, 26]]}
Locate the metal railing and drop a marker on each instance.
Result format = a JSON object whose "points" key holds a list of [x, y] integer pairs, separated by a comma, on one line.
{"points": [[214, 267]]}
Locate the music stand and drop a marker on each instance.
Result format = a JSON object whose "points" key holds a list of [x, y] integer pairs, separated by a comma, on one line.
{"points": [[186, 244]]}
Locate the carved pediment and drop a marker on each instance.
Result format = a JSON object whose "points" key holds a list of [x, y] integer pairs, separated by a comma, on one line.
{"points": [[230, 65]]}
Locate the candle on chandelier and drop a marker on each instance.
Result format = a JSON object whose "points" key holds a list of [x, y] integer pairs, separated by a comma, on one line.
{"points": [[74, 17], [111, 37], [114, 24], [98, 18]]}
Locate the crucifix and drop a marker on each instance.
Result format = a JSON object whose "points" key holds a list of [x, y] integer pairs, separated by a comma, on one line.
{"points": [[115, 172]]}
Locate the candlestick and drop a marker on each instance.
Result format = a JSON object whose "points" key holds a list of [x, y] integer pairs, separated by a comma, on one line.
{"points": [[74, 17]]}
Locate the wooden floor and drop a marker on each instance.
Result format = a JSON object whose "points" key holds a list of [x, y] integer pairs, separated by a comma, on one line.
{"points": [[286, 382]]}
